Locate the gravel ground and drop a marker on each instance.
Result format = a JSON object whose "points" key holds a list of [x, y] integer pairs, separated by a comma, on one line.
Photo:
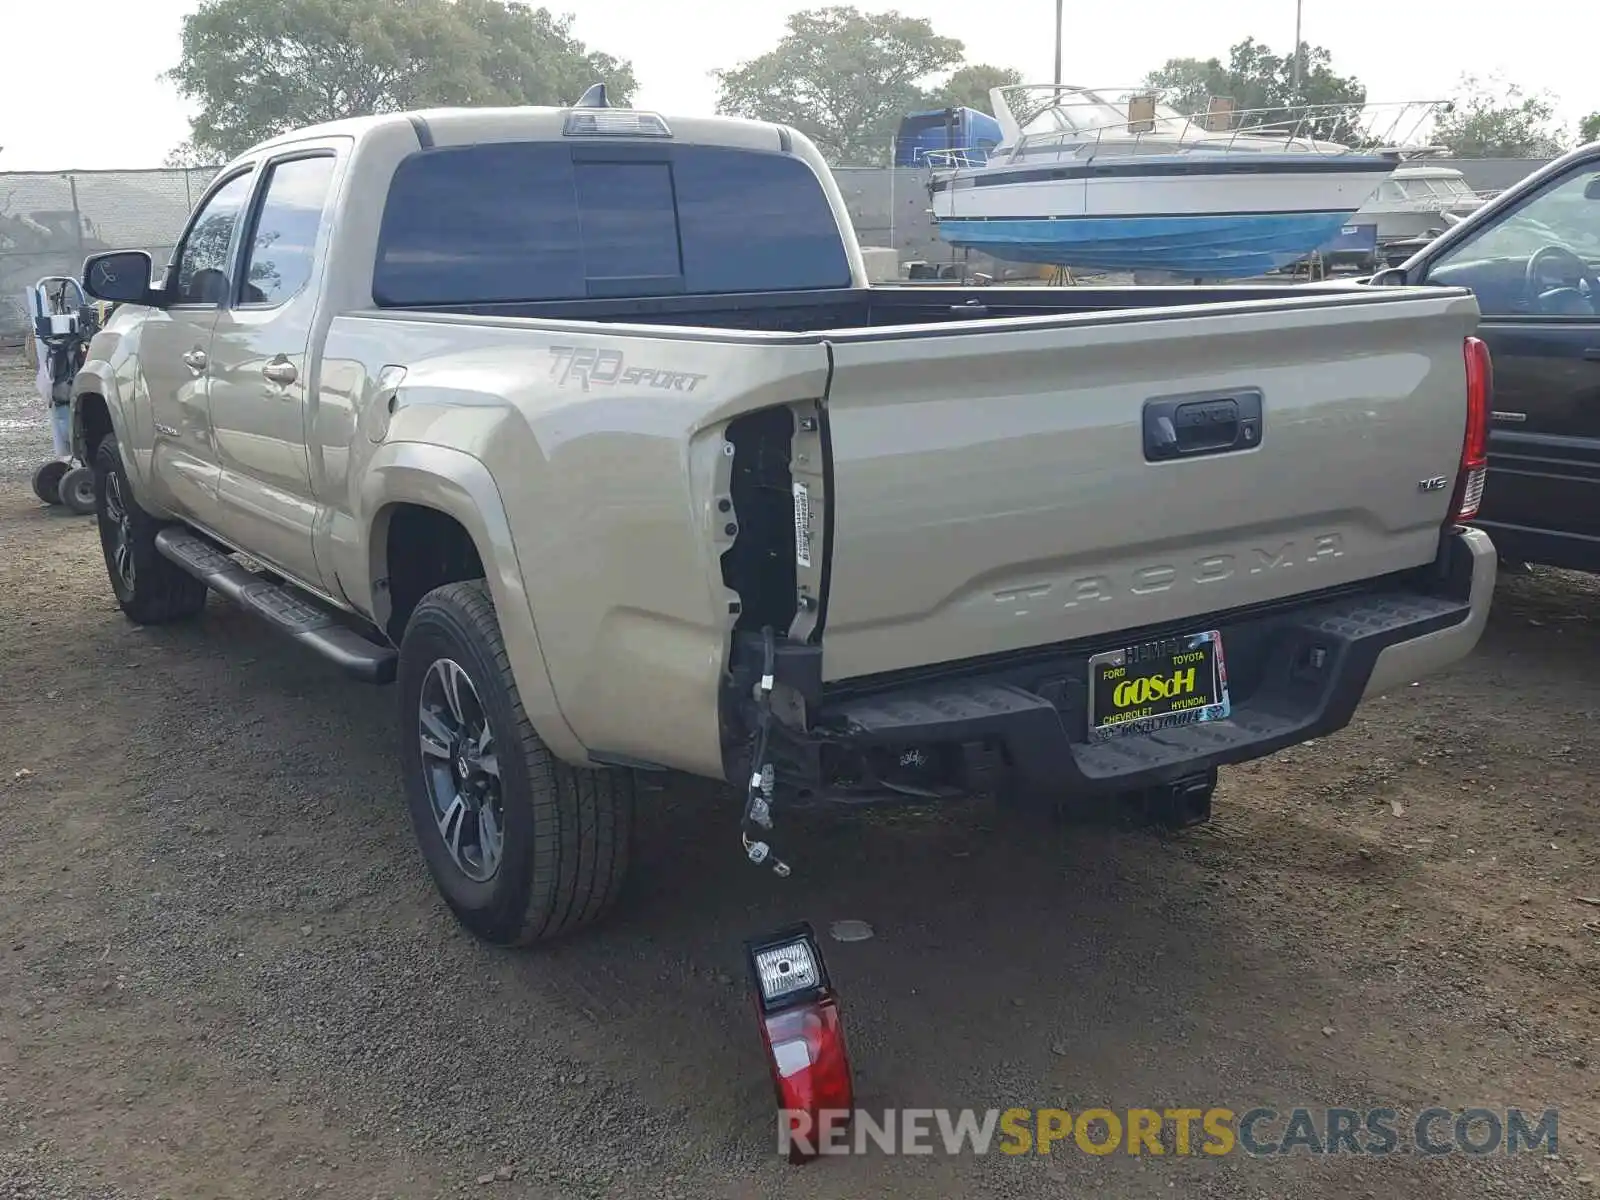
{"points": [[223, 971]]}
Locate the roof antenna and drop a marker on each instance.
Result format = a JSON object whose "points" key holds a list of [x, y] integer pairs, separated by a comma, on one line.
{"points": [[595, 97]]}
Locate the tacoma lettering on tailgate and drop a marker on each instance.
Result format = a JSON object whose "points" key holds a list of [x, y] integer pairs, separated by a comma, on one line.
{"points": [[1146, 581], [588, 366]]}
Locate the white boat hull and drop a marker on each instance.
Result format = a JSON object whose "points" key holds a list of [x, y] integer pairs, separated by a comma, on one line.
{"points": [[1204, 214], [1396, 223]]}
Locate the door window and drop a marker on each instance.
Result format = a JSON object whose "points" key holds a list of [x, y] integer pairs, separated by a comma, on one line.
{"points": [[283, 243], [203, 261], [1540, 258]]}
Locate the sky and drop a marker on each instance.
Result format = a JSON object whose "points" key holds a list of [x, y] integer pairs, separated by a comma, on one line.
{"points": [[89, 96]]}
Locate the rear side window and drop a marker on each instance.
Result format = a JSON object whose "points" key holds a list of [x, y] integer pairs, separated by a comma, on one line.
{"points": [[283, 244], [531, 221]]}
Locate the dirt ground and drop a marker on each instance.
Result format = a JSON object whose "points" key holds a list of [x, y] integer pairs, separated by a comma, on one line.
{"points": [[223, 971]]}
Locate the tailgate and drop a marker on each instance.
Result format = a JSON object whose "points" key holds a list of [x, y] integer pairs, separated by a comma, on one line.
{"points": [[994, 487]]}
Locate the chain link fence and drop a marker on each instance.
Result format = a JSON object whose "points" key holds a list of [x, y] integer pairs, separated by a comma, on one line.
{"points": [[49, 221]]}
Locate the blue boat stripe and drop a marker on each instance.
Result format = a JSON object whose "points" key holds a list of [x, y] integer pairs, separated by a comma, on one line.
{"points": [[1183, 216], [1200, 165], [1200, 244]]}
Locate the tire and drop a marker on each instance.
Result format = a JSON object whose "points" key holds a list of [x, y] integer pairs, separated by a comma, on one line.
{"points": [[563, 831], [149, 589], [47, 480], [77, 490]]}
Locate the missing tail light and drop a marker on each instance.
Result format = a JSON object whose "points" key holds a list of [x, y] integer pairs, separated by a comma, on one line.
{"points": [[760, 565], [1475, 445]]}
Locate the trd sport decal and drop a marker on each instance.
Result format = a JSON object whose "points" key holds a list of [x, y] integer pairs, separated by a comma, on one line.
{"points": [[608, 368]]}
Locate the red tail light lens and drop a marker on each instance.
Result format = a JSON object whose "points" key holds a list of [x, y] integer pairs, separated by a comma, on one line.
{"points": [[803, 1034], [1475, 446], [810, 1074]]}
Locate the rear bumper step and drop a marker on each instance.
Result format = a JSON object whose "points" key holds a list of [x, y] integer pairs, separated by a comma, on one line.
{"points": [[285, 609], [1294, 676]]}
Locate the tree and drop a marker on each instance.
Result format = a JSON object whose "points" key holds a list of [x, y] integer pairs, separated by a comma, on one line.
{"points": [[842, 77], [970, 86], [189, 156], [1589, 128], [1491, 118], [259, 67], [531, 57], [1256, 78]]}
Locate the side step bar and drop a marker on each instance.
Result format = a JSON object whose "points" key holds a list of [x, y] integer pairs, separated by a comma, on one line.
{"points": [[287, 610]]}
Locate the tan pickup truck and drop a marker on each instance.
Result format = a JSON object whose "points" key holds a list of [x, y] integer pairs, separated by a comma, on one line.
{"points": [[584, 425]]}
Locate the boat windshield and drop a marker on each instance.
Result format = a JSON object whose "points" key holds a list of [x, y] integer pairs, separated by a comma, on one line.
{"points": [[1423, 187], [1081, 111]]}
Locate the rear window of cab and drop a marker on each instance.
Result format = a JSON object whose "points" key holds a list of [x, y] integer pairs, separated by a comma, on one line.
{"points": [[530, 221]]}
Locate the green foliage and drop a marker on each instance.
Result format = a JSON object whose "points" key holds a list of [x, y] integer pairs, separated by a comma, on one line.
{"points": [[1256, 78], [189, 156], [842, 77], [1589, 128], [259, 67], [970, 86], [1494, 119]]}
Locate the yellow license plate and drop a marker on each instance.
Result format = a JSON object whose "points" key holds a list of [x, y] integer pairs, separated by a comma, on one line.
{"points": [[1158, 685]]}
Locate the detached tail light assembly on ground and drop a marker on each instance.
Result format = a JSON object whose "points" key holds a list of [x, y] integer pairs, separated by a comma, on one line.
{"points": [[803, 1035], [1475, 446]]}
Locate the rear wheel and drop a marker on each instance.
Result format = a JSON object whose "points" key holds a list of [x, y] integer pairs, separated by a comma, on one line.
{"points": [[522, 846], [149, 589]]}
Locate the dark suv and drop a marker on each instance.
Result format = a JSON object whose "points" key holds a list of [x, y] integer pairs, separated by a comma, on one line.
{"points": [[1532, 256]]}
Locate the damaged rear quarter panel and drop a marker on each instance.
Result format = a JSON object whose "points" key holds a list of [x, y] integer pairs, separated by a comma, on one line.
{"points": [[607, 453]]}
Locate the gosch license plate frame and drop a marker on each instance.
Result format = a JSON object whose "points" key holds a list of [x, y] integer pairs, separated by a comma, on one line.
{"points": [[1159, 659]]}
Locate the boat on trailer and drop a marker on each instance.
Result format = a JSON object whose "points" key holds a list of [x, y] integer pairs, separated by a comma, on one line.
{"points": [[1118, 180], [1421, 200]]}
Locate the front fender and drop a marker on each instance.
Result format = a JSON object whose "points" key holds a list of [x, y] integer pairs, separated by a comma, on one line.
{"points": [[111, 372], [98, 378], [460, 486]]}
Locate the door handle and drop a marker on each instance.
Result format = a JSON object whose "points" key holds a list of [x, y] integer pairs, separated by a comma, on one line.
{"points": [[280, 370], [1212, 423], [195, 359], [1592, 354]]}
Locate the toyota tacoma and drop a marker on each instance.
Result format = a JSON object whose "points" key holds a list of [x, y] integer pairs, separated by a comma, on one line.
{"points": [[583, 426]]}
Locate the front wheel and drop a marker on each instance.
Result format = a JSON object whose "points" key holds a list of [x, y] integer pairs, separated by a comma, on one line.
{"points": [[150, 590], [522, 847]]}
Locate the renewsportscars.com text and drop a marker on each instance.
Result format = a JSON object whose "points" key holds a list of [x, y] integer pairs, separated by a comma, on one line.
{"points": [[1177, 1132]]}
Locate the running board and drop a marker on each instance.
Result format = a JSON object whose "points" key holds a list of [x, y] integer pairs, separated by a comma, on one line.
{"points": [[288, 611]]}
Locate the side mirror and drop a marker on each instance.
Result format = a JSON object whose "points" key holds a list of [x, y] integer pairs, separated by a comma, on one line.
{"points": [[1388, 277], [120, 276], [1591, 190]]}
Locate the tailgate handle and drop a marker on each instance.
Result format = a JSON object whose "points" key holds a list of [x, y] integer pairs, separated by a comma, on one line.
{"points": [[1190, 426]]}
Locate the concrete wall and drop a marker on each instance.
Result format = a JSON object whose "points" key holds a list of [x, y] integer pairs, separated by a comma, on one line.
{"points": [[890, 208]]}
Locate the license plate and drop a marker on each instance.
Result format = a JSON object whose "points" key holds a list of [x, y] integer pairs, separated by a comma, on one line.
{"points": [[1157, 685]]}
